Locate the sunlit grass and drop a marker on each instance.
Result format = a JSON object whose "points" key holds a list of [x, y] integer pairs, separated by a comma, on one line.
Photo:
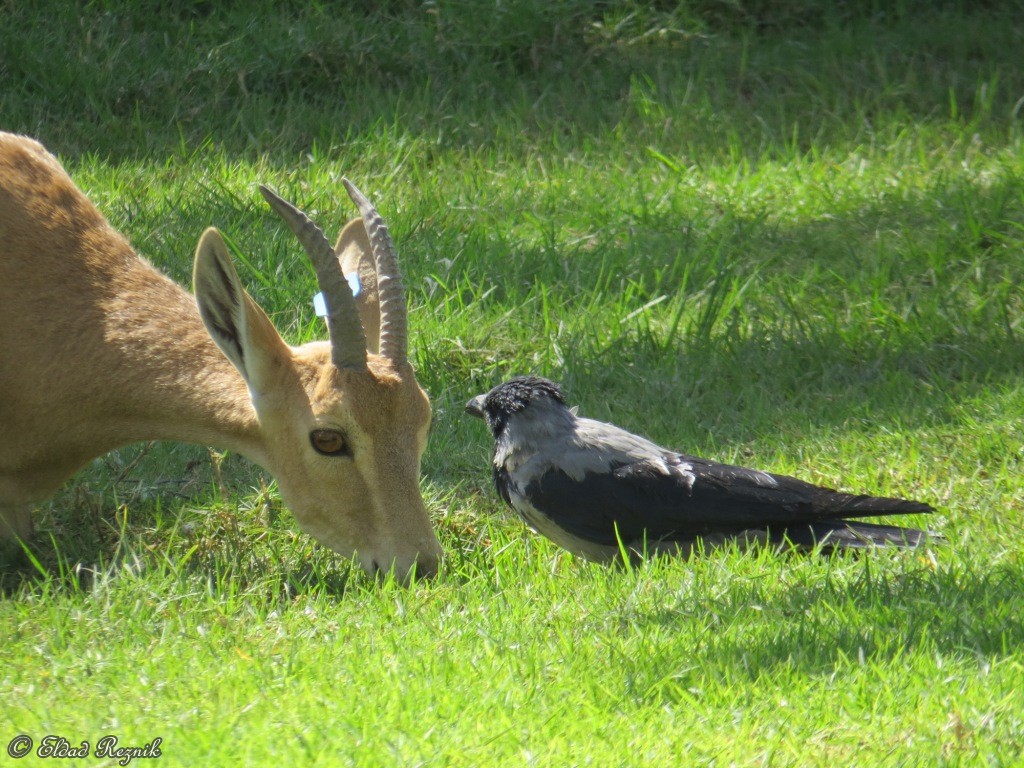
{"points": [[799, 250]]}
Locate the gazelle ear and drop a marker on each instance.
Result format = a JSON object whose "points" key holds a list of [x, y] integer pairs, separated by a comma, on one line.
{"points": [[234, 321], [354, 253]]}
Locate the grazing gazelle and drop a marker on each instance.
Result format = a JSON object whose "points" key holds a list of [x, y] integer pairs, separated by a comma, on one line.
{"points": [[98, 349]]}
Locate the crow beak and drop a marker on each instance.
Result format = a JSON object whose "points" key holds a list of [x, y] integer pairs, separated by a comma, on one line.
{"points": [[475, 407]]}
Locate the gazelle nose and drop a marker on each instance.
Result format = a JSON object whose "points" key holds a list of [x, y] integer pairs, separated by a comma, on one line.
{"points": [[423, 567], [427, 566]]}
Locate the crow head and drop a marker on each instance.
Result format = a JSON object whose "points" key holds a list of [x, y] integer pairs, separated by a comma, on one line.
{"points": [[513, 397]]}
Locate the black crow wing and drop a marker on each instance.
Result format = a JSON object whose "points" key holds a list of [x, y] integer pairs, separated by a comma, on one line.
{"points": [[682, 497]]}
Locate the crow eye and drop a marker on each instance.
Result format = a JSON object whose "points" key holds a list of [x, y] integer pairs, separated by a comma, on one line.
{"points": [[329, 442]]}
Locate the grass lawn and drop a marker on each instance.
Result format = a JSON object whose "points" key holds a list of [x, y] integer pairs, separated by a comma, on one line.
{"points": [[787, 237]]}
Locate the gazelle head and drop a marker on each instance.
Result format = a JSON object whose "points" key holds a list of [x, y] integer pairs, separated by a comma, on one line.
{"points": [[341, 425]]}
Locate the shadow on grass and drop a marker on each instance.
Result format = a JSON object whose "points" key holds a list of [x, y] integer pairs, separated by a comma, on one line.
{"points": [[756, 324], [133, 81], [874, 619], [794, 388], [223, 574], [155, 509]]}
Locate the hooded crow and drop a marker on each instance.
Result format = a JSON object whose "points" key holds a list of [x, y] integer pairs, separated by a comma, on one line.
{"points": [[594, 488]]}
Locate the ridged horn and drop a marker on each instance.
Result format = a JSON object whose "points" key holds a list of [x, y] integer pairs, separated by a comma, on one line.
{"points": [[394, 318], [348, 341]]}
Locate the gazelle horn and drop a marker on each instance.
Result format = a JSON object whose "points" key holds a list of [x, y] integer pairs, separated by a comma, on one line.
{"points": [[348, 340], [394, 318]]}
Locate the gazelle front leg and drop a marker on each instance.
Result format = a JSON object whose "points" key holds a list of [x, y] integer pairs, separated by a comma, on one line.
{"points": [[15, 522]]}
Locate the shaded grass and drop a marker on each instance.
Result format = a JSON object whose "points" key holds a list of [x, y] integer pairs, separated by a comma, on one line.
{"points": [[284, 77], [782, 237]]}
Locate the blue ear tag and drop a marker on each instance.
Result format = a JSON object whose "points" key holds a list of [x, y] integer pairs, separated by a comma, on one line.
{"points": [[354, 284], [320, 305]]}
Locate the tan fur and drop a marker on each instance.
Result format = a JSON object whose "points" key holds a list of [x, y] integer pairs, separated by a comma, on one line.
{"points": [[98, 349]]}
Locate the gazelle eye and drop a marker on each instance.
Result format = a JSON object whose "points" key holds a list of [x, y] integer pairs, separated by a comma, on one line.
{"points": [[329, 442]]}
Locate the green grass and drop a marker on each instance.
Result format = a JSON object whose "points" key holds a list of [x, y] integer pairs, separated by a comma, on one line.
{"points": [[783, 236]]}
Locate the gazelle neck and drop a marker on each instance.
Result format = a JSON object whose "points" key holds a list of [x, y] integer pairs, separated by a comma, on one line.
{"points": [[177, 383]]}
